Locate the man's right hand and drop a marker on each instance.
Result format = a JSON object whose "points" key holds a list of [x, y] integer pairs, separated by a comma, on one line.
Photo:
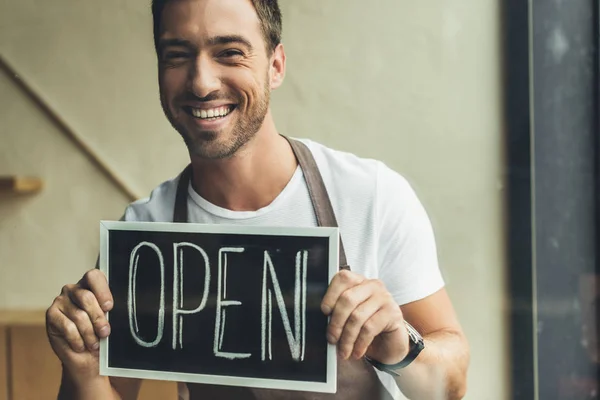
{"points": [[75, 323]]}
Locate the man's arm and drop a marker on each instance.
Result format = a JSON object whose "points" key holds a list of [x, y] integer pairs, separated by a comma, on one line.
{"points": [[126, 388], [75, 323], [440, 370], [100, 388], [367, 321], [410, 276], [92, 389]]}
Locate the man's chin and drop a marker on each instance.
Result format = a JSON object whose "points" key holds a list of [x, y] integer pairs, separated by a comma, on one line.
{"points": [[212, 148], [204, 136]]}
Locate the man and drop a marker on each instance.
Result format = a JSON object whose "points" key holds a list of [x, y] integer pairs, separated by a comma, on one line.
{"points": [[218, 62]]}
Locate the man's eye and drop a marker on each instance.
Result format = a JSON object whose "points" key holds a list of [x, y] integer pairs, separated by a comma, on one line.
{"points": [[231, 53], [175, 55]]}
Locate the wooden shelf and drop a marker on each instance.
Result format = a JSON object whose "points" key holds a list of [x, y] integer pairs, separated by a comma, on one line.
{"points": [[20, 184]]}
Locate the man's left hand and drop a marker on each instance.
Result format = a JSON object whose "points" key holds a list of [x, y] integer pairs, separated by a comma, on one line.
{"points": [[365, 319]]}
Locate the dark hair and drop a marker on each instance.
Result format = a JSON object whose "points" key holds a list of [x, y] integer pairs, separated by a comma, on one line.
{"points": [[268, 13]]}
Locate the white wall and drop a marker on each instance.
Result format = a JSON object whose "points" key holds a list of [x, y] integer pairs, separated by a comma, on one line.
{"points": [[415, 84]]}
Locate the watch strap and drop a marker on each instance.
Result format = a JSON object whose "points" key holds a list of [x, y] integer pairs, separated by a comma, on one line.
{"points": [[416, 345]]}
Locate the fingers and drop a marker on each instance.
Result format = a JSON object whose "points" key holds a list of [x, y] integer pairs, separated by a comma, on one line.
{"points": [[361, 310], [83, 324], [63, 332], [85, 311], [348, 306], [341, 282], [356, 326], [371, 328], [96, 282], [75, 319], [75, 322]]}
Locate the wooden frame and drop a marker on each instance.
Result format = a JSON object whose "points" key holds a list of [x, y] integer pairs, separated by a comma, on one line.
{"points": [[331, 234], [553, 147]]}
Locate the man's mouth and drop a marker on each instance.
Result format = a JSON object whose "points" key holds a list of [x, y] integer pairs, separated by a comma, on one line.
{"points": [[210, 114]]}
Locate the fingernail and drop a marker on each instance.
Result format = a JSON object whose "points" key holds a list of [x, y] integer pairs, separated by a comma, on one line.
{"points": [[326, 310], [95, 346], [104, 331], [330, 338], [107, 305]]}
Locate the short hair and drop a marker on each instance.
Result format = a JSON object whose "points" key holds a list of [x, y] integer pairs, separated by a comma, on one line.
{"points": [[269, 16]]}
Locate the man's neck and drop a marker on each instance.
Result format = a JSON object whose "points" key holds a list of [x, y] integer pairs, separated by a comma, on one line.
{"points": [[252, 178]]}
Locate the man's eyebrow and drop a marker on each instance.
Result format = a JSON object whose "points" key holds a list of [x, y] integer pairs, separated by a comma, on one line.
{"points": [[174, 43], [227, 39]]}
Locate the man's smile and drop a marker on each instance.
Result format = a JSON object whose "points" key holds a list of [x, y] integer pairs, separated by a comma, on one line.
{"points": [[209, 113]]}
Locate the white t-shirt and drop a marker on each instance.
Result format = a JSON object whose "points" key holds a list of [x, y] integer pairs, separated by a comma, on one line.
{"points": [[386, 232]]}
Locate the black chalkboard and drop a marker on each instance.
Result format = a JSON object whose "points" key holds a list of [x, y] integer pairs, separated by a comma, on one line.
{"points": [[219, 304]]}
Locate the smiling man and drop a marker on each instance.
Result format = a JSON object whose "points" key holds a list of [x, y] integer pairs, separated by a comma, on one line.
{"points": [[390, 316]]}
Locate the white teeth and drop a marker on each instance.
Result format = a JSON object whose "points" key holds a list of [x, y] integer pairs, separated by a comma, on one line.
{"points": [[212, 113]]}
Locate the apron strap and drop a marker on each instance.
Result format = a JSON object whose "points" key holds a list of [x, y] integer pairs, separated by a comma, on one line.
{"points": [[318, 192], [314, 181], [180, 212]]}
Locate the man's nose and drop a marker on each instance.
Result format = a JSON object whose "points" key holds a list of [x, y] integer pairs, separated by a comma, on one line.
{"points": [[204, 77]]}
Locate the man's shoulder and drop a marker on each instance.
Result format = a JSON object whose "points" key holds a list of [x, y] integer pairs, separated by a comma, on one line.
{"points": [[359, 180], [336, 164], [158, 206]]}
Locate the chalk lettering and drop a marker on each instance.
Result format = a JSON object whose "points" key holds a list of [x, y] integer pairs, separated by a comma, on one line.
{"points": [[222, 303], [132, 295], [178, 311], [296, 340]]}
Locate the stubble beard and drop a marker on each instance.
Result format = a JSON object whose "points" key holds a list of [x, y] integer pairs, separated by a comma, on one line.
{"points": [[210, 145]]}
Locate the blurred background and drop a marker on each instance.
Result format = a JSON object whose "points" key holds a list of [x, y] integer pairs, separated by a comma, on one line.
{"points": [[459, 97]]}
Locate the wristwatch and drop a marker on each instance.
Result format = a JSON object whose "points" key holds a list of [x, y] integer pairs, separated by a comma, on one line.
{"points": [[416, 345]]}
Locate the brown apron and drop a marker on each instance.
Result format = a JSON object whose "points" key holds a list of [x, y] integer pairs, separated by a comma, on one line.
{"points": [[357, 379]]}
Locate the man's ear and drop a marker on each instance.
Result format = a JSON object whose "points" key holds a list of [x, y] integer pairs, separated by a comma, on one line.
{"points": [[277, 66]]}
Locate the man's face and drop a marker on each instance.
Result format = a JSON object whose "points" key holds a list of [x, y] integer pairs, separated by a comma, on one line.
{"points": [[213, 74]]}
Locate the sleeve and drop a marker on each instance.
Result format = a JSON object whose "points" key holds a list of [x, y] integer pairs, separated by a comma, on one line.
{"points": [[407, 254]]}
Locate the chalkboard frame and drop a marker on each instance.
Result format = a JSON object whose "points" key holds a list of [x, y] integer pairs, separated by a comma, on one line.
{"points": [[332, 233]]}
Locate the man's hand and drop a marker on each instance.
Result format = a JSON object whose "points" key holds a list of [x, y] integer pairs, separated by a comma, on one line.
{"points": [[75, 322], [365, 319]]}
